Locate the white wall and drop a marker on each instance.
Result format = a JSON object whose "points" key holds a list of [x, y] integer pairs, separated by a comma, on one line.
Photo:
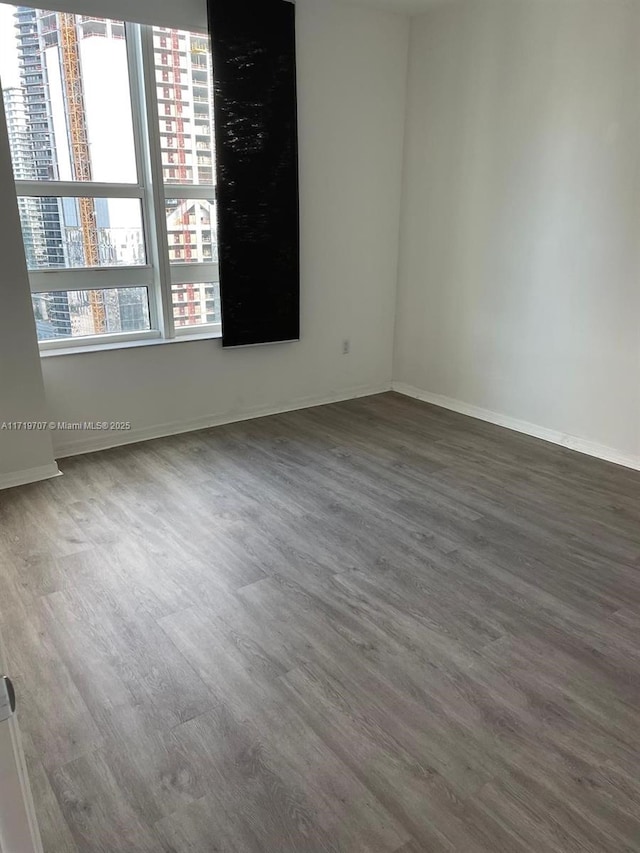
{"points": [[519, 287], [519, 267], [25, 455], [351, 78]]}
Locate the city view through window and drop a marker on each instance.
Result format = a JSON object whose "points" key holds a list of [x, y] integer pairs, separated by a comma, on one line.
{"points": [[99, 249]]}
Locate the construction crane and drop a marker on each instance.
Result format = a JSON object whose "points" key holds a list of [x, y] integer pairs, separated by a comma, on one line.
{"points": [[80, 156]]}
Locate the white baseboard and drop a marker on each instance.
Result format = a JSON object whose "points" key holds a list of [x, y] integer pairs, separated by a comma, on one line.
{"points": [[29, 475], [590, 448], [90, 442]]}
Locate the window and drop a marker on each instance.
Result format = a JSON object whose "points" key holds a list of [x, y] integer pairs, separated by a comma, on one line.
{"points": [[109, 257]]}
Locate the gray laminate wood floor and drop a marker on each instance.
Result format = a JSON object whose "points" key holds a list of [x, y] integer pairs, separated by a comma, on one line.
{"points": [[370, 626]]}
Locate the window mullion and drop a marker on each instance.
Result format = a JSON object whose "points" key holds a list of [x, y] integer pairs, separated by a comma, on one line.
{"points": [[200, 191], [146, 113], [194, 272], [77, 189], [89, 278]]}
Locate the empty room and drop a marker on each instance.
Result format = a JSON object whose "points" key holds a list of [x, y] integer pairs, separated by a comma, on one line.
{"points": [[320, 426]]}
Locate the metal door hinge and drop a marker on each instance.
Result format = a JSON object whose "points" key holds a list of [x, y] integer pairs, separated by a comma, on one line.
{"points": [[7, 698]]}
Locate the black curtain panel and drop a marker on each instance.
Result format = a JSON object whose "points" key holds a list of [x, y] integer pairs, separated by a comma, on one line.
{"points": [[254, 69]]}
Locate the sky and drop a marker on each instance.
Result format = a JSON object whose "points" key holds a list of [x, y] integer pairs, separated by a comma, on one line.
{"points": [[8, 55]]}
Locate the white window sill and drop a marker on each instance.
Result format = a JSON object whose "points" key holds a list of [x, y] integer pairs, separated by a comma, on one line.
{"points": [[131, 344]]}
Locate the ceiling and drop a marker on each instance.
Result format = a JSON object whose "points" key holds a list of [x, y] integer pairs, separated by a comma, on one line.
{"points": [[407, 6]]}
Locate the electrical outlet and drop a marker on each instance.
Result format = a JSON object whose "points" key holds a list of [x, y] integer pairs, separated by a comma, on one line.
{"points": [[346, 346]]}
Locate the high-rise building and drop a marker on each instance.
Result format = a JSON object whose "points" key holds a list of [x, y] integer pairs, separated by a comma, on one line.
{"points": [[21, 146], [19, 133], [33, 154], [36, 93]]}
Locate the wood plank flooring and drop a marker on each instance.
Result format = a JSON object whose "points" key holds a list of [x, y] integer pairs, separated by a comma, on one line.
{"points": [[369, 626]]}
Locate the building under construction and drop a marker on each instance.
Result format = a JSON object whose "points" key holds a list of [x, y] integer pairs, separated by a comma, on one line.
{"points": [[184, 86]]}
